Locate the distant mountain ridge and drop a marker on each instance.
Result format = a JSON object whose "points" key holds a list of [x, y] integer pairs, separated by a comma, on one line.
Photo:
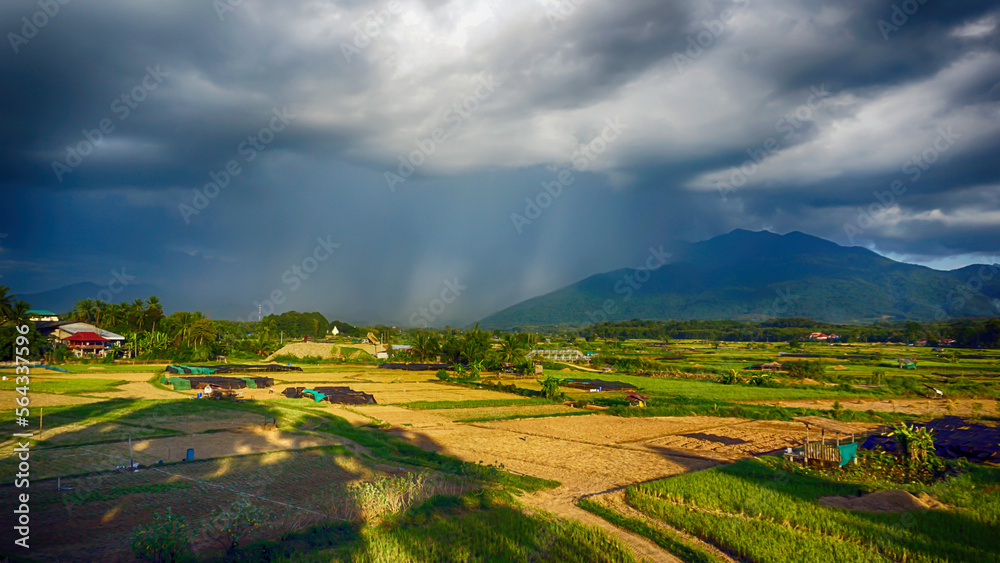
{"points": [[755, 275], [62, 299]]}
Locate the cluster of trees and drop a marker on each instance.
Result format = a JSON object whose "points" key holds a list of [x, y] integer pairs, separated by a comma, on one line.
{"points": [[967, 333], [293, 324], [14, 313], [472, 349]]}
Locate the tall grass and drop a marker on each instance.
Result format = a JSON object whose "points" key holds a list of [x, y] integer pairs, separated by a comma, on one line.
{"points": [[472, 528], [756, 512]]}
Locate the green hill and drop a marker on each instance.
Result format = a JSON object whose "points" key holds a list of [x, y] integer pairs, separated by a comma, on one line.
{"points": [[748, 275]]}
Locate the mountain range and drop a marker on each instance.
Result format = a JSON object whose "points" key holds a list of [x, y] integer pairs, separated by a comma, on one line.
{"points": [[756, 275]]}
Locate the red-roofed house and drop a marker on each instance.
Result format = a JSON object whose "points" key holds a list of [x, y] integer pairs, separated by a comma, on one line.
{"points": [[84, 342]]}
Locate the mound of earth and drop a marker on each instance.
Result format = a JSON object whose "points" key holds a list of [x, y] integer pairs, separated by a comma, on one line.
{"points": [[323, 350], [891, 500]]}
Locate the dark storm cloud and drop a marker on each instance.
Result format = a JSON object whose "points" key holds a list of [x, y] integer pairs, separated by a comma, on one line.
{"points": [[693, 85]]}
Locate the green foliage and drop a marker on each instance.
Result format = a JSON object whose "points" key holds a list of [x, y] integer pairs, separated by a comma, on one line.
{"points": [[230, 525], [805, 369], [166, 539], [442, 374], [667, 540], [293, 359], [731, 378], [550, 389], [767, 511], [917, 447], [297, 325]]}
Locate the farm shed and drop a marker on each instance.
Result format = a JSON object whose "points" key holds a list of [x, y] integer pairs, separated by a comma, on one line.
{"points": [[834, 452], [773, 366], [636, 400]]}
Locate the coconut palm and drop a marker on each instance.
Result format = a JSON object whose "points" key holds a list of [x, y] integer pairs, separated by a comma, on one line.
{"points": [[19, 313], [425, 345], [83, 310], [6, 304], [154, 311]]}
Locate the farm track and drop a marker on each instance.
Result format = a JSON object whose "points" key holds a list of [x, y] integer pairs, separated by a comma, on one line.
{"points": [[615, 500], [563, 504]]}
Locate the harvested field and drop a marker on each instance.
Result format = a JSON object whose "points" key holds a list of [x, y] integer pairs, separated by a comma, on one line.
{"points": [[933, 407], [503, 412], [46, 399], [139, 390], [293, 488], [611, 430], [583, 468], [103, 457]]}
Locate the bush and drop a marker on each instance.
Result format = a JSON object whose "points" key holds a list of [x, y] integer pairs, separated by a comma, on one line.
{"points": [[804, 369], [167, 538], [227, 527], [443, 375], [550, 389]]}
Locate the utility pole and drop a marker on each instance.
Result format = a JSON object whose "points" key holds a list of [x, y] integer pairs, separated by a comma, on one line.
{"points": [[131, 463]]}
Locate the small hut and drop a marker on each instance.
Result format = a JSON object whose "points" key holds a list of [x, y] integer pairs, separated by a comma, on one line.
{"points": [[636, 400], [834, 451]]}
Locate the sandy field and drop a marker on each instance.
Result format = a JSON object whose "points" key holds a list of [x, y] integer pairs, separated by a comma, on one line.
{"points": [[935, 407], [102, 457], [8, 398]]}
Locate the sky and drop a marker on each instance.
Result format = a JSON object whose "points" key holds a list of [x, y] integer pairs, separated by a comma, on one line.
{"points": [[370, 159]]}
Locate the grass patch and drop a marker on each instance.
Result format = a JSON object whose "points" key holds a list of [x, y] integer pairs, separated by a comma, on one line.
{"points": [[64, 386], [668, 541], [757, 511], [477, 527]]}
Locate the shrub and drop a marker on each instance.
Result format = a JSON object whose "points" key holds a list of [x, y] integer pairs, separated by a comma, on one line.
{"points": [[167, 538], [227, 527], [442, 375], [550, 389], [802, 370]]}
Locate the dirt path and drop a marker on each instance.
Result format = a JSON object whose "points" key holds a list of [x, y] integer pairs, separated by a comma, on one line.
{"points": [[616, 501], [562, 503]]}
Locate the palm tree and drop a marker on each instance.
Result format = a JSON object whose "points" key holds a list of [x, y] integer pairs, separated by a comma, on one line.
{"points": [[99, 308], [6, 304], [154, 311], [513, 346], [19, 313], [83, 310], [138, 310], [426, 344]]}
